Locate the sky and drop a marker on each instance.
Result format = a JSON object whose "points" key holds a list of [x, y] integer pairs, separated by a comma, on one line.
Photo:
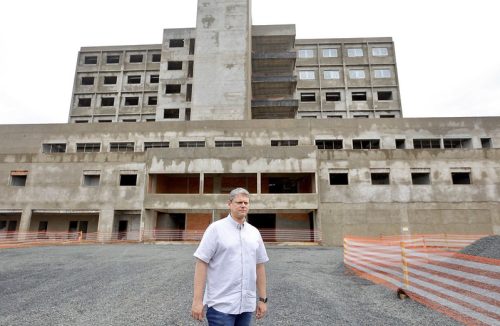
{"points": [[448, 52]]}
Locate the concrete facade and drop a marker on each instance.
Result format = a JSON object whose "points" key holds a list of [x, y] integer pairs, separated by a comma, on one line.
{"points": [[159, 134]]}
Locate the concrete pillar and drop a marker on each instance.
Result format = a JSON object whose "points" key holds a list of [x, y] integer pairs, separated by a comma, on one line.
{"points": [[259, 182], [148, 224], [24, 224], [222, 61], [105, 226]]}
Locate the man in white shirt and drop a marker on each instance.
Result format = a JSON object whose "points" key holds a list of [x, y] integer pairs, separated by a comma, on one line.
{"points": [[230, 268]]}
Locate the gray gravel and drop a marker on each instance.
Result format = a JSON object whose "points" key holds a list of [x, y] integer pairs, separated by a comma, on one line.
{"points": [[488, 247], [152, 285]]}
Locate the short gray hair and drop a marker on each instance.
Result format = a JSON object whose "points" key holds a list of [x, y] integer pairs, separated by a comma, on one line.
{"points": [[238, 191]]}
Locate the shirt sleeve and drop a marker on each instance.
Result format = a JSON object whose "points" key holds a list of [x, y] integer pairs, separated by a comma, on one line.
{"points": [[261, 252], [208, 245]]}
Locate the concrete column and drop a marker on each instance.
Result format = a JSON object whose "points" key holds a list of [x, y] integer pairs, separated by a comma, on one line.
{"points": [[24, 224], [105, 226], [405, 222], [495, 218], [259, 182], [148, 224]]}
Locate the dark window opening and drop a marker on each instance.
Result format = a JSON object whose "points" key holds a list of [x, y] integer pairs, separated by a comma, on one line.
{"points": [[191, 144], [384, 96], [421, 178], [131, 101], [113, 59], [43, 226], [457, 143], [90, 60], [285, 142], [380, 178], [91, 180], [88, 147], [339, 179], [136, 58], [191, 46], [173, 89], [359, 96], [84, 102], [486, 143], [73, 226], [156, 57], [105, 121], [110, 80], [81, 121], [128, 180], [366, 144], [174, 183], [54, 148], [334, 116], [188, 114], [387, 116], [18, 180], [171, 114], [121, 147], [307, 97], [87, 81], [461, 178], [287, 183], [228, 143], [330, 143], [400, 143], [333, 97], [154, 79], [362, 116], [426, 143], [152, 100], [107, 101], [134, 79], [189, 92], [190, 69], [174, 65], [129, 120], [156, 144], [176, 43]]}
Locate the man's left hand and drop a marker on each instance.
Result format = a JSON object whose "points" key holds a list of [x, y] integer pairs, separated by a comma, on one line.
{"points": [[261, 310]]}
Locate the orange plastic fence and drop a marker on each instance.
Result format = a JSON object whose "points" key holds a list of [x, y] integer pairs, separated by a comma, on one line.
{"points": [[429, 269]]}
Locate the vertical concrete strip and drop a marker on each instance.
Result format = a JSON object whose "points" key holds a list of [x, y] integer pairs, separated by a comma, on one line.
{"points": [[105, 226], [24, 224]]}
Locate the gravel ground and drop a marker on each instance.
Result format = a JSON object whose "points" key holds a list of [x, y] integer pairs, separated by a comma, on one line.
{"points": [[488, 247], [152, 285]]}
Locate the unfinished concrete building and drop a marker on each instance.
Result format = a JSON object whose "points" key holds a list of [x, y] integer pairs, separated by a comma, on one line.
{"points": [[158, 134]]}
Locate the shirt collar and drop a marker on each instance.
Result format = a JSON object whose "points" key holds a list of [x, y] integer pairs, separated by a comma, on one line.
{"points": [[236, 224]]}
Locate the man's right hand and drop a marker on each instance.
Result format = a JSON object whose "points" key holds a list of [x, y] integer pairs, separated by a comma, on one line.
{"points": [[197, 310]]}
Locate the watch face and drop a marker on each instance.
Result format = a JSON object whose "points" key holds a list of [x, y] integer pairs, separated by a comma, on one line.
{"points": [[263, 300]]}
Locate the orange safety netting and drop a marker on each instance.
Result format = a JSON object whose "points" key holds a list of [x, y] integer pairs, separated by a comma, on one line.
{"points": [[429, 269]]}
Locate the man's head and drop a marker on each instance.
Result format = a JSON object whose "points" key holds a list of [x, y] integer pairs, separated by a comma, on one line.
{"points": [[239, 200]]}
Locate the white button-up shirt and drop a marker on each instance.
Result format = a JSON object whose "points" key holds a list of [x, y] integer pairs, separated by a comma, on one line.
{"points": [[232, 251]]}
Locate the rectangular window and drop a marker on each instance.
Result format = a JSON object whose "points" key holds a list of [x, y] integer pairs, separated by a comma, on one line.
{"points": [[307, 75], [359, 96], [136, 58], [355, 52], [107, 101], [183, 144], [421, 178], [121, 147], [174, 65], [18, 178], [154, 79], [380, 52], [153, 100], [307, 97], [382, 73], [306, 53], [171, 114], [105, 120], [176, 43], [356, 74], [156, 144], [187, 113], [132, 101], [54, 148], [461, 178], [333, 97], [285, 142], [384, 96], [330, 53], [88, 147], [387, 116], [128, 180], [81, 121], [156, 57], [110, 59], [110, 80], [192, 43], [400, 143], [87, 81], [380, 178], [84, 102], [457, 143], [362, 116], [228, 143], [189, 92], [134, 79], [190, 69], [91, 179], [486, 143], [129, 120], [329, 143], [173, 89], [90, 60], [331, 74], [339, 179], [426, 143], [366, 144]]}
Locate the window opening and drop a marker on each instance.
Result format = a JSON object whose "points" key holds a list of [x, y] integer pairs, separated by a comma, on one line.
{"points": [[152, 100], [307, 97], [457, 143], [87, 81], [174, 65], [384, 96], [90, 60], [107, 101], [359, 96], [419, 178], [461, 178], [380, 178], [132, 101], [228, 143], [191, 144], [134, 79], [54, 148], [136, 58], [112, 59], [171, 114], [176, 43], [285, 142], [400, 143], [154, 79], [121, 147], [110, 80], [156, 57], [91, 180], [339, 179], [128, 180], [84, 102], [329, 143], [366, 144], [173, 89], [156, 144], [88, 147], [426, 143], [333, 97], [486, 143]]}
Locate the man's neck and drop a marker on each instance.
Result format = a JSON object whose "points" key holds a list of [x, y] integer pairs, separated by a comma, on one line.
{"points": [[240, 221]]}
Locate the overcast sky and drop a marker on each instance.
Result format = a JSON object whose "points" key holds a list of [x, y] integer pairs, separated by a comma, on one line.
{"points": [[448, 52]]}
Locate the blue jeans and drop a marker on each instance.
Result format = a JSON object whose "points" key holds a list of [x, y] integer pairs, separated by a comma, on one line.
{"points": [[217, 318]]}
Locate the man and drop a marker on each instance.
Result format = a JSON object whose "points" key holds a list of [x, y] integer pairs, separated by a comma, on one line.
{"points": [[230, 267]]}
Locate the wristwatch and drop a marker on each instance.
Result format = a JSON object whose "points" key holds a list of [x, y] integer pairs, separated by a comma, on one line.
{"points": [[263, 300]]}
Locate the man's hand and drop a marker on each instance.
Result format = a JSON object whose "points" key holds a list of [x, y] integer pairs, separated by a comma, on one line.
{"points": [[261, 310], [197, 310]]}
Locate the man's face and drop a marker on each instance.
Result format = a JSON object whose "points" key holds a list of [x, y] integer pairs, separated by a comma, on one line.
{"points": [[239, 207]]}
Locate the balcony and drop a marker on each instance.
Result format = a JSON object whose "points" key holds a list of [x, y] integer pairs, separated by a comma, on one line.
{"points": [[274, 109]]}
